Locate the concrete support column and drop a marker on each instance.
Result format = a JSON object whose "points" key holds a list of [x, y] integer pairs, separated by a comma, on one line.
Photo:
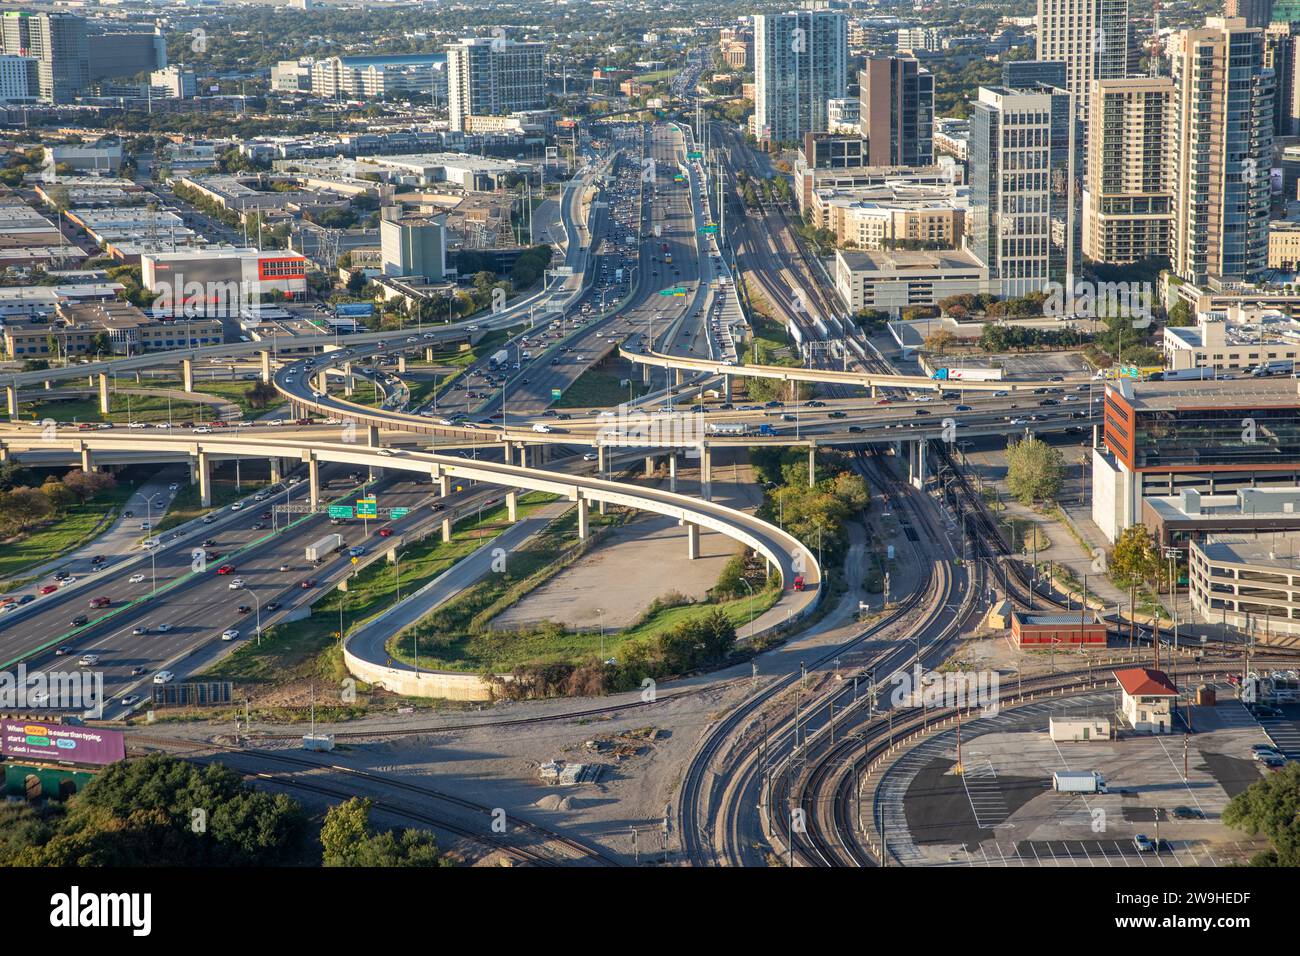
{"points": [[649, 465], [446, 529], [602, 461], [347, 379], [391, 554], [266, 365], [48, 385], [512, 506], [692, 540], [645, 374], [706, 473], [582, 519], [313, 482], [920, 463], [672, 471], [11, 400], [372, 436], [812, 466], [205, 480], [103, 393], [726, 388], [401, 365], [187, 374], [86, 464], [523, 455], [276, 474], [873, 391], [444, 486], [428, 353], [4, 452], [194, 471]]}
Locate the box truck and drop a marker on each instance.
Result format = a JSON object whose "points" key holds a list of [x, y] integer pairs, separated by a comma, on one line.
{"points": [[1078, 781]]}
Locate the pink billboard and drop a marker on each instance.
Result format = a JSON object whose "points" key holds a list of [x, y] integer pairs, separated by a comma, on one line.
{"points": [[34, 740]]}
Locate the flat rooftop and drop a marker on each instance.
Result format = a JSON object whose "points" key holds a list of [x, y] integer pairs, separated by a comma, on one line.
{"points": [[1273, 391], [1270, 550]]}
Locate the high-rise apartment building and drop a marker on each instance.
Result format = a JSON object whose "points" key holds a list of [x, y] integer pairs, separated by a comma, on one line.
{"points": [[57, 41], [800, 62], [1090, 37], [1022, 158], [1282, 56], [493, 76], [1256, 13], [1127, 197], [896, 115], [1222, 151]]}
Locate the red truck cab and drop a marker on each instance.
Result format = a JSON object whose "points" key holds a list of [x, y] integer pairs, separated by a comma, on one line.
{"points": [[798, 582]]}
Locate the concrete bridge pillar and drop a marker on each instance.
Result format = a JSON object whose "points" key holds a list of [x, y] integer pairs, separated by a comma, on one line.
{"points": [[582, 519], [444, 486], [523, 455], [372, 436], [86, 463], [48, 385], [649, 465], [275, 471], [872, 390], [187, 374], [205, 480], [602, 461], [706, 472], [4, 452], [812, 466], [347, 379], [726, 388], [103, 393], [401, 364], [645, 374], [266, 365], [446, 529], [11, 400], [672, 471], [428, 354], [512, 506], [692, 540], [313, 482]]}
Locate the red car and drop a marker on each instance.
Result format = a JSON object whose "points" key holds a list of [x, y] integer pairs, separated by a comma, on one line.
{"points": [[385, 532], [226, 569], [49, 589], [883, 401], [266, 516], [308, 584], [100, 602], [798, 582]]}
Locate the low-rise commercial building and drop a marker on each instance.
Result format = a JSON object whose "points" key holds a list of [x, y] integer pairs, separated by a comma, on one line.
{"points": [[1217, 343], [221, 282], [1066, 630], [895, 281], [895, 215], [1147, 697], [1176, 521]]}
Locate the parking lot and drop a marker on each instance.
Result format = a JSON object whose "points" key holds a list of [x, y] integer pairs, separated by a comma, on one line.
{"points": [[1003, 811]]}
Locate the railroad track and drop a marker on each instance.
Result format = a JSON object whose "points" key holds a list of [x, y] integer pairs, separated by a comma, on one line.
{"points": [[541, 836]]}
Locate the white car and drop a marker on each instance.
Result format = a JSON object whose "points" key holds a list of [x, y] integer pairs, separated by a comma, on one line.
{"points": [[202, 430], [38, 698], [236, 584], [163, 425], [163, 677], [163, 628], [276, 421], [138, 425], [88, 660], [135, 579], [173, 487], [237, 506], [229, 634]]}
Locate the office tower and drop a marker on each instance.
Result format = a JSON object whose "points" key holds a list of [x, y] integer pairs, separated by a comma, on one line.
{"points": [[57, 41], [800, 62], [120, 56], [493, 76], [1222, 143], [1089, 36], [1281, 49], [1256, 13], [413, 246], [896, 115], [1028, 74], [18, 78], [1022, 158], [1127, 198]]}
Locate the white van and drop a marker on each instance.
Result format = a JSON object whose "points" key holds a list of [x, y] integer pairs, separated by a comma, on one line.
{"points": [[163, 677]]}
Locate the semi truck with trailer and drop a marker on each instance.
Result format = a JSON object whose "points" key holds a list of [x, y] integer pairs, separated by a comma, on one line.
{"points": [[738, 429], [968, 374], [322, 548]]}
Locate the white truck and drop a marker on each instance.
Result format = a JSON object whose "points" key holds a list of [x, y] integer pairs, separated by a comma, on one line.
{"points": [[322, 548], [1078, 781], [499, 358]]}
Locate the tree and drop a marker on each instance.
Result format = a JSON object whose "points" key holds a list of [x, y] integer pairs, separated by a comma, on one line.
{"points": [[1035, 470], [86, 484], [1179, 314], [24, 507], [1271, 807], [347, 839], [1134, 560], [940, 340], [261, 394]]}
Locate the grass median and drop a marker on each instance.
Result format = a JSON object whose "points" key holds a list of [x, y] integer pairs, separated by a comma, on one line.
{"points": [[80, 524], [310, 648]]}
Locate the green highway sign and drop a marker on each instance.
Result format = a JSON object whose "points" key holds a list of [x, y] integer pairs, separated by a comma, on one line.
{"points": [[556, 392], [399, 512], [367, 508], [678, 290], [709, 230], [340, 511], [694, 155]]}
